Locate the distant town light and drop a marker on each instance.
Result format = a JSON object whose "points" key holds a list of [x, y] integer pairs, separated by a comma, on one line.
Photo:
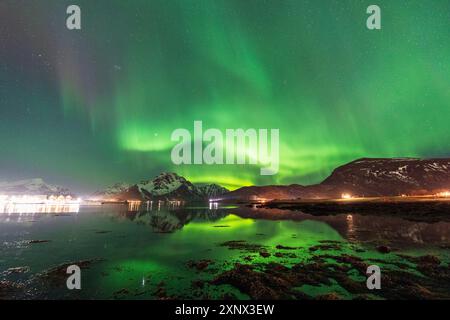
{"points": [[346, 196], [213, 205], [444, 194]]}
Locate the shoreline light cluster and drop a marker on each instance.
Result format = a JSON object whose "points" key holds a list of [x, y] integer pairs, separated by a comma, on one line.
{"points": [[39, 199], [31, 204]]}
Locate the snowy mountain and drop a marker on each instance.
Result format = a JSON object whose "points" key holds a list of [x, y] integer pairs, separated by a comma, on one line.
{"points": [[166, 186], [31, 187], [169, 186], [211, 191]]}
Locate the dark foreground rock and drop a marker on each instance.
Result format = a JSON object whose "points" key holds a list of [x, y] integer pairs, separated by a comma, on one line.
{"points": [[9, 289], [258, 285], [199, 265], [275, 281]]}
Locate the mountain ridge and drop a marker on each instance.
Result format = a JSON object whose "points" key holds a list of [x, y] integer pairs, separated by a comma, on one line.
{"points": [[366, 177]]}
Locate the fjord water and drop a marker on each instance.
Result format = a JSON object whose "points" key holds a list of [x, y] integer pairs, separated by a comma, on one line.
{"points": [[147, 253]]}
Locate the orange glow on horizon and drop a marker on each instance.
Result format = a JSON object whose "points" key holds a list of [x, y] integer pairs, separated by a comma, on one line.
{"points": [[444, 194]]}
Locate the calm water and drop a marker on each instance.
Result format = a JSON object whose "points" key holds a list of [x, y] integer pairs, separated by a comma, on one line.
{"points": [[153, 252]]}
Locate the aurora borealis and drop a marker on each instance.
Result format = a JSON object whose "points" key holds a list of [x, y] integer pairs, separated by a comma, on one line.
{"points": [[96, 106]]}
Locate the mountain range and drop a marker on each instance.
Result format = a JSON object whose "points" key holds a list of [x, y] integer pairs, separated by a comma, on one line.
{"points": [[368, 177], [165, 187]]}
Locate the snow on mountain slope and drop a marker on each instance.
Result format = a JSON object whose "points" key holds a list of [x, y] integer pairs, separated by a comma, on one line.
{"points": [[364, 177], [111, 191], [165, 183], [31, 187], [211, 191], [373, 177], [166, 186]]}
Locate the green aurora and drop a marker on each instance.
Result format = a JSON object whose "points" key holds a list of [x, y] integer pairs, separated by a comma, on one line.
{"points": [[92, 107]]}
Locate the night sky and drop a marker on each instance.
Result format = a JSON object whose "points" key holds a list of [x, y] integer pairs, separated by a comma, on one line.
{"points": [[92, 107]]}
